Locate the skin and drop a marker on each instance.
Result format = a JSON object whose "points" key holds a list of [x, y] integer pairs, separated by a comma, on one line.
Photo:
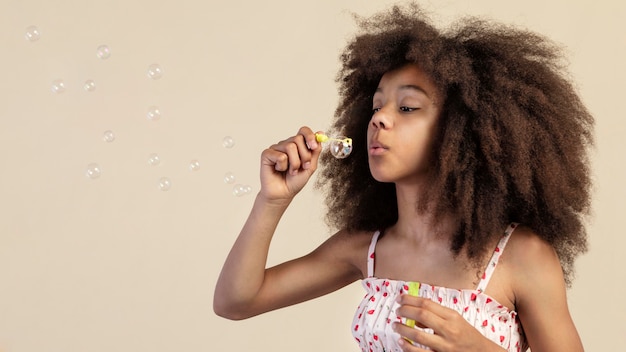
{"points": [[406, 108]]}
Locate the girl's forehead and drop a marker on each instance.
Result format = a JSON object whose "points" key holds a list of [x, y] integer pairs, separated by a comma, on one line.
{"points": [[407, 76]]}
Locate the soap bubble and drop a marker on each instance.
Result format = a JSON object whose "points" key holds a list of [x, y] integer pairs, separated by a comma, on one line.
{"points": [[32, 34], [165, 184], [108, 136], [228, 142], [155, 71], [89, 85], [154, 159], [153, 113], [103, 52], [58, 86], [239, 190], [340, 148], [229, 178], [194, 165], [93, 171]]}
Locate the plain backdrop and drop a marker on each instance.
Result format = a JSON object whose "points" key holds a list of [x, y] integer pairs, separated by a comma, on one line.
{"points": [[115, 263]]}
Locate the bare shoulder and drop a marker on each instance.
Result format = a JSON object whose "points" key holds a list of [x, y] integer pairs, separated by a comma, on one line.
{"points": [[540, 293], [349, 247], [526, 249], [533, 262]]}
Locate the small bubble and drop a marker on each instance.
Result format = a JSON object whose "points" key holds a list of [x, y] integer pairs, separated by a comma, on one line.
{"points": [[103, 52], [229, 178], [239, 190], [155, 71], [154, 159], [89, 85], [228, 142], [108, 136], [32, 34], [165, 184], [153, 113], [58, 86], [194, 165], [93, 171]]}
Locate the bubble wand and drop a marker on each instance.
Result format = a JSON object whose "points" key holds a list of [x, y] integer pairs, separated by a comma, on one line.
{"points": [[340, 147]]}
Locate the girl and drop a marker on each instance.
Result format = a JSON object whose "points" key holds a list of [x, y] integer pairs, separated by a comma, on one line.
{"points": [[458, 136]]}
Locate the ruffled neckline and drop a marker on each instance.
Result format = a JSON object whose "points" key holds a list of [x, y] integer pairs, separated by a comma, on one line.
{"points": [[444, 295]]}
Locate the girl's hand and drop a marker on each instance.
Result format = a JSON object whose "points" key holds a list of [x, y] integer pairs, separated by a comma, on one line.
{"points": [[451, 331], [287, 166]]}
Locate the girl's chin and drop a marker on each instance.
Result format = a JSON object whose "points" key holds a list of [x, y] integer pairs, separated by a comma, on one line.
{"points": [[381, 176]]}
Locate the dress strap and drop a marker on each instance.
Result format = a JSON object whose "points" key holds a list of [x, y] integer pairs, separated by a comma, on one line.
{"points": [[371, 254], [491, 267]]}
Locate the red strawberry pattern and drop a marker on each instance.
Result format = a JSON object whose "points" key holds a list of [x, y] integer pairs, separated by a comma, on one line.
{"points": [[372, 322]]}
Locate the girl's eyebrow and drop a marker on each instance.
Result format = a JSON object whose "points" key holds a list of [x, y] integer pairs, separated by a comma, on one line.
{"points": [[407, 87]]}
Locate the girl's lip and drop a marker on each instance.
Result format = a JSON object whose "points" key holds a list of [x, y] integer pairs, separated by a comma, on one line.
{"points": [[377, 148]]}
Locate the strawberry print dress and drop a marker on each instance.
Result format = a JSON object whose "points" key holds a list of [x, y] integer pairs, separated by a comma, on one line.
{"points": [[373, 319]]}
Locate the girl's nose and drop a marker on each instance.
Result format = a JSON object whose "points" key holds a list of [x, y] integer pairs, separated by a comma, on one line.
{"points": [[382, 119]]}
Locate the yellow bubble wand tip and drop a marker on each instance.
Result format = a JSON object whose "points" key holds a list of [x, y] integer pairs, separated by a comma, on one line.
{"points": [[321, 138]]}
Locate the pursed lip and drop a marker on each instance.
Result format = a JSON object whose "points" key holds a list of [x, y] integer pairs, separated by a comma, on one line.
{"points": [[377, 148]]}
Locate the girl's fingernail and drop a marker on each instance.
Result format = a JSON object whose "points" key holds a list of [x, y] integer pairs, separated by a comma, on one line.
{"points": [[306, 165]]}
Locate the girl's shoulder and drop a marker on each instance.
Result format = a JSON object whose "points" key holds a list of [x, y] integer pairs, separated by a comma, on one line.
{"points": [[526, 247], [532, 261], [528, 263]]}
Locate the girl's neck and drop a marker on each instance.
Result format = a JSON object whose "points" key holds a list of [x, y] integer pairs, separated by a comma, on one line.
{"points": [[419, 226]]}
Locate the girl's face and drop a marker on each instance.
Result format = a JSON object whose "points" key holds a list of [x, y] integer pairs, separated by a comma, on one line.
{"points": [[401, 131]]}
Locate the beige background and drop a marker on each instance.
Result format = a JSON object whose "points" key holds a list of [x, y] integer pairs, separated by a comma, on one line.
{"points": [[115, 264]]}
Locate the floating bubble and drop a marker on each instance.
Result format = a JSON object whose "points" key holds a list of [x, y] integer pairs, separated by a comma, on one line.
{"points": [[239, 190], [32, 34], [103, 52], [58, 86], [229, 178], [228, 142], [165, 184], [154, 159], [108, 136], [194, 165], [89, 85], [93, 171], [155, 71], [340, 147], [153, 113]]}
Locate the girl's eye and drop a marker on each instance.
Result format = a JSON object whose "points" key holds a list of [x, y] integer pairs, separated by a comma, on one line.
{"points": [[407, 109], [375, 110]]}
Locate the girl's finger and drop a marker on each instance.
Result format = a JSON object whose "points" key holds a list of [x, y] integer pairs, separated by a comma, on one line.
{"points": [[275, 158]]}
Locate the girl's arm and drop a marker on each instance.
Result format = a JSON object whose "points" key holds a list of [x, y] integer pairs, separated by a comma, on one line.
{"points": [[540, 294], [245, 287]]}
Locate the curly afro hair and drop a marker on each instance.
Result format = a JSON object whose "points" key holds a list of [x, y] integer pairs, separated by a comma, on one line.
{"points": [[511, 144]]}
